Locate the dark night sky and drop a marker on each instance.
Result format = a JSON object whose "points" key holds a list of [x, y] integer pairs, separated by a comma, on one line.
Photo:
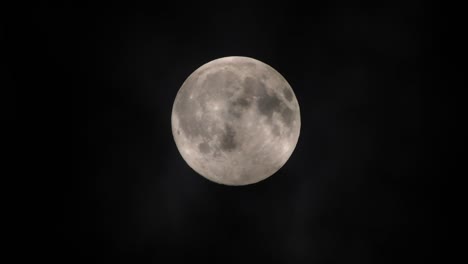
{"points": [[357, 189]]}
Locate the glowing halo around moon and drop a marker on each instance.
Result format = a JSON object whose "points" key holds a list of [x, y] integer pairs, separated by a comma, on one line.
{"points": [[236, 121]]}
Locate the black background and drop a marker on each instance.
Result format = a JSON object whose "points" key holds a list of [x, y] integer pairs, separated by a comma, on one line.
{"points": [[359, 188]]}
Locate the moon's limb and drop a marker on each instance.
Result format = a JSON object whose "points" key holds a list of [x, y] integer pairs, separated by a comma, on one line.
{"points": [[236, 121]]}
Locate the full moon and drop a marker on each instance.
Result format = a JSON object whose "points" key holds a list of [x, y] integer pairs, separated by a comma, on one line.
{"points": [[236, 121]]}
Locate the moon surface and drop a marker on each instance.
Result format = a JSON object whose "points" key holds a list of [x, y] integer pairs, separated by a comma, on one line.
{"points": [[236, 121]]}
